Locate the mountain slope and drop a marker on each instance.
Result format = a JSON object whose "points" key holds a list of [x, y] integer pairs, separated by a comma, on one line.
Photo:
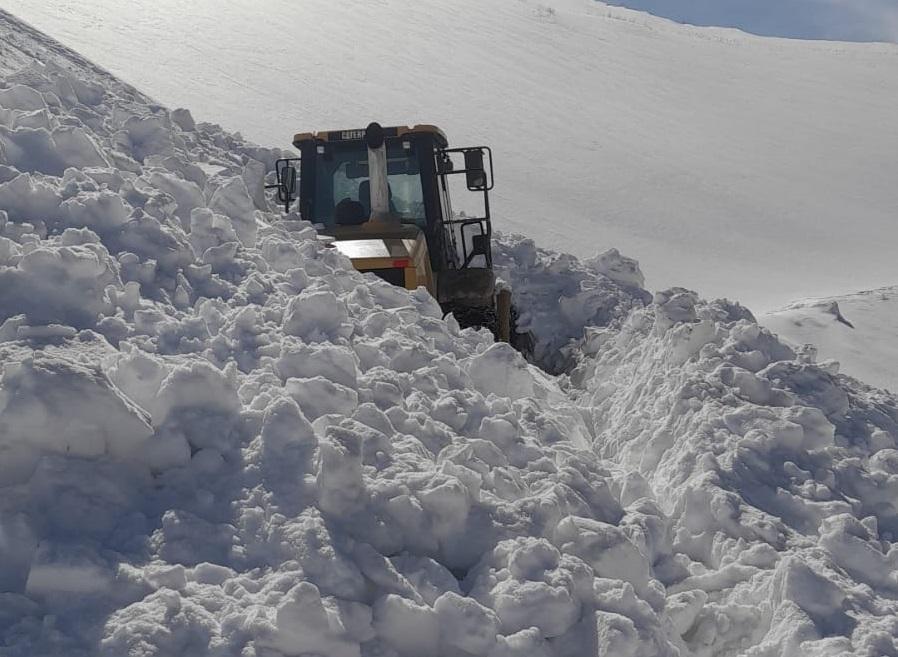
{"points": [[765, 161]]}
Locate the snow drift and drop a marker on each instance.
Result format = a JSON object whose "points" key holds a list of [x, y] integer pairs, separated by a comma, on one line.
{"points": [[218, 439]]}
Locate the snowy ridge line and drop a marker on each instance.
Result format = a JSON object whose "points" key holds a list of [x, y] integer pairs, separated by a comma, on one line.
{"points": [[218, 439]]}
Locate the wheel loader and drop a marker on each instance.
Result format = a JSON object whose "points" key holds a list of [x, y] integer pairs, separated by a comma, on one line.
{"points": [[380, 196]]}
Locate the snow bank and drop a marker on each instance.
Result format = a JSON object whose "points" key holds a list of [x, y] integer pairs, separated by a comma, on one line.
{"points": [[218, 439], [556, 294], [768, 468]]}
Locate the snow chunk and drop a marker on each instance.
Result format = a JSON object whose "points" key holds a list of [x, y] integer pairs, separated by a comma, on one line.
{"points": [[52, 405], [65, 285], [20, 97], [307, 625], [618, 268], [502, 371], [233, 200], [184, 119], [316, 316], [465, 624], [409, 628]]}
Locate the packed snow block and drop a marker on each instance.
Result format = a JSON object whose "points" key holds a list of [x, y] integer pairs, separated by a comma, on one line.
{"points": [[856, 548], [618, 268], [208, 230], [339, 477], [674, 306], [65, 571], [606, 548], [163, 623], [528, 583], [616, 635], [233, 200], [30, 150], [64, 285], [100, 211], [202, 401], [306, 624], [17, 547], [49, 404], [816, 594], [284, 426], [683, 608], [89, 92], [254, 178], [183, 119], [76, 148], [21, 97], [409, 628], [140, 375], [282, 255], [186, 539], [466, 625], [147, 135], [317, 316], [811, 384], [502, 371], [10, 252], [429, 578], [38, 119], [157, 245], [187, 194], [49, 151], [319, 396], [336, 363]]}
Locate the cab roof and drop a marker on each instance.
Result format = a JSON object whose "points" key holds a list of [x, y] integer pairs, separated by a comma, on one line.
{"points": [[359, 134]]}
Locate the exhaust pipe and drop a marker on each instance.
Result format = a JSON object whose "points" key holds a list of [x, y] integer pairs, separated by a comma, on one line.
{"points": [[377, 174]]}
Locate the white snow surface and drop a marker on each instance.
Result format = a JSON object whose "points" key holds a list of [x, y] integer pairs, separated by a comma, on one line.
{"points": [[218, 439], [857, 331], [765, 161]]}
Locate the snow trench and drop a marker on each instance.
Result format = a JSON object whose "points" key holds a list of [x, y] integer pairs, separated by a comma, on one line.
{"points": [[218, 439]]}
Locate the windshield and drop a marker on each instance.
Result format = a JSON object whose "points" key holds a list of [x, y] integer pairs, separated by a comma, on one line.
{"points": [[342, 175]]}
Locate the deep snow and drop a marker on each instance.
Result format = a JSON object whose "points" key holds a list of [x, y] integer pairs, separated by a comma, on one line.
{"points": [[768, 162], [218, 439], [857, 330]]}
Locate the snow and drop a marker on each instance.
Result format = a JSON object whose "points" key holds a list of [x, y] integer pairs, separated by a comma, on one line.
{"points": [[763, 160], [855, 331], [218, 439]]}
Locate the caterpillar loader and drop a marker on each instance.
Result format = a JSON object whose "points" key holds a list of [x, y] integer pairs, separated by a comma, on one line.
{"points": [[381, 197]]}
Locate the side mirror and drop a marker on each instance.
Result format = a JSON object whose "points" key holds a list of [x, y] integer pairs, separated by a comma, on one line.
{"points": [[288, 182], [474, 172]]}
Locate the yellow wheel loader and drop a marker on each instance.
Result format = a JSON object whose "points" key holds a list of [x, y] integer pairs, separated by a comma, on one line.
{"points": [[381, 197]]}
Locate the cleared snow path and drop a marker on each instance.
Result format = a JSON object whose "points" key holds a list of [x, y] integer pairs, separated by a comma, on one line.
{"points": [[218, 439]]}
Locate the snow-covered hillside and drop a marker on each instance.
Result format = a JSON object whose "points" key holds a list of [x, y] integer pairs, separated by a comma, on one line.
{"points": [[217, 439], [860, 331], [769, 162]]}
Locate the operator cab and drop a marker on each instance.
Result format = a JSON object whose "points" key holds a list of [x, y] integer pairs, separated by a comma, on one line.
{"points": [[339, 175]]}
